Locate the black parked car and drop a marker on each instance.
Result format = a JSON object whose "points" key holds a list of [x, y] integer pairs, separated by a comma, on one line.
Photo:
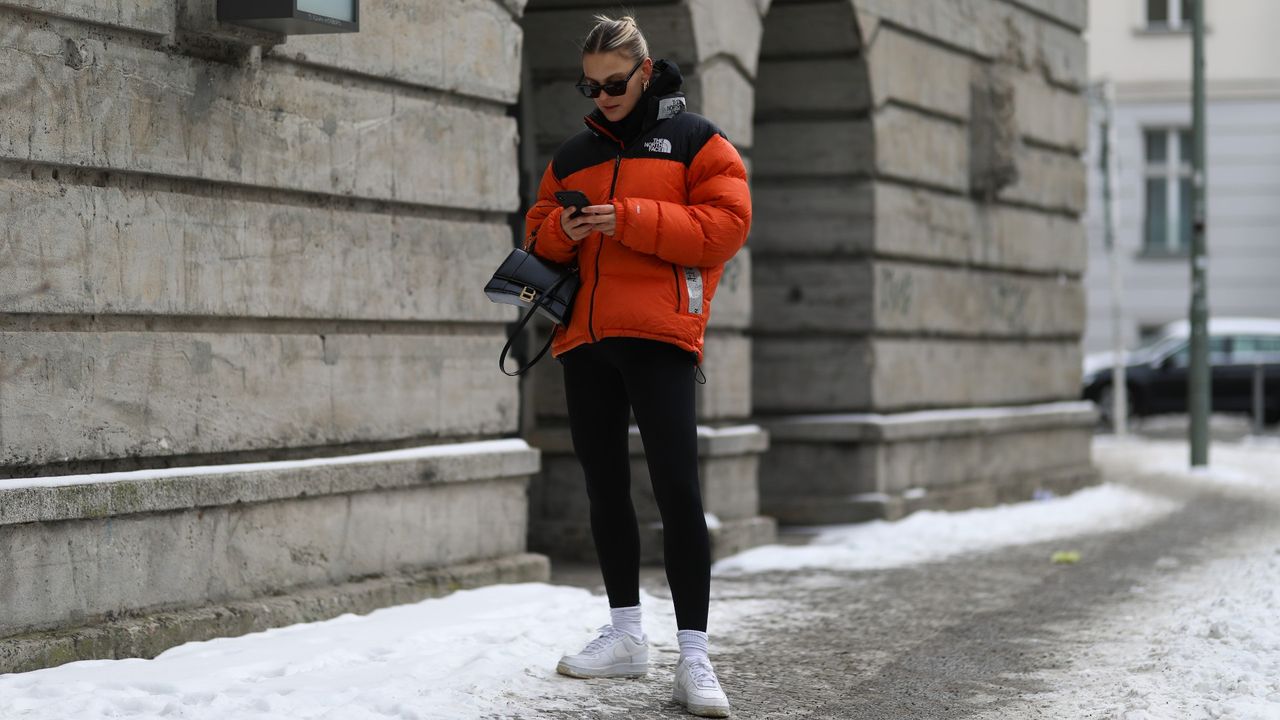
{"points": [[1157, 372]]}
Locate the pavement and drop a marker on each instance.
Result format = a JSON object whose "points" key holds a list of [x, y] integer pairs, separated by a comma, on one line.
{"points": [[978, 636]]}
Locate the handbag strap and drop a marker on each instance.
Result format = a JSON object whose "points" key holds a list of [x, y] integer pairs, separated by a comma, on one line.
{"points": [[541, 301]]}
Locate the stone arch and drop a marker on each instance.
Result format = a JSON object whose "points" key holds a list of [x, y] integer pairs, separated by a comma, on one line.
{"points": [[813, 205]]}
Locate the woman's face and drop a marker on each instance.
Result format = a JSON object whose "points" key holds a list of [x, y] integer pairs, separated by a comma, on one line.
{"points": [[604, 68]]}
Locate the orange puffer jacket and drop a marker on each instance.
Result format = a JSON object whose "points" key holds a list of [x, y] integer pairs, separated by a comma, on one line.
{"points": [[683, 209]]}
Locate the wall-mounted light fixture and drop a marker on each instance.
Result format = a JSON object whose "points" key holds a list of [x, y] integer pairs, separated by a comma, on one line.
{"points": [[293, 17]]}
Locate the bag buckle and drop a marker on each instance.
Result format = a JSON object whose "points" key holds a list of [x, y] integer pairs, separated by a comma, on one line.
{"points": [[528, 294]]}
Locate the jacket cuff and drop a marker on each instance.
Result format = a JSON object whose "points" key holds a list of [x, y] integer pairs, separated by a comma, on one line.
{"points": [[619, 221], [637, 224]]}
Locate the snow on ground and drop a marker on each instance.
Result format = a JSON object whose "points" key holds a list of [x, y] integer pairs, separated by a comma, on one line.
{"points": [[1253, 464], [929, 536], [484, 653], [476, 653], [1196, 646]]}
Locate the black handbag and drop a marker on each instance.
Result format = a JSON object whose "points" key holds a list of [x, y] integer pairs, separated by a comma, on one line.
{"points": [[528, 281]]}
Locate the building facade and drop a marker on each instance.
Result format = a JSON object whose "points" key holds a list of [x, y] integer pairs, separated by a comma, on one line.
{"points": [[263, 257], [1143, 47]]}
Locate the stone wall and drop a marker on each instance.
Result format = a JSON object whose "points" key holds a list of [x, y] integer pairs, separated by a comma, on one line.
{"points": [[220, 246]]}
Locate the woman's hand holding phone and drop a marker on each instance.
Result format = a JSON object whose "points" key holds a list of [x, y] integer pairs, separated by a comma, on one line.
{"points": [[592, 218]]}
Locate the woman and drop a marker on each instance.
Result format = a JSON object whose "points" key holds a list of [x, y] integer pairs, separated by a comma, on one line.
{"points": [[671, 206]]}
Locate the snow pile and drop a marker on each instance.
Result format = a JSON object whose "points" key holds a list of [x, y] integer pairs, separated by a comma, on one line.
{"points": [[929, 536], [489, 652]]}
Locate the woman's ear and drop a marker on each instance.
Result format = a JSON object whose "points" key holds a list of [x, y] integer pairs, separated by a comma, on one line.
{"points": [[647, 70]]}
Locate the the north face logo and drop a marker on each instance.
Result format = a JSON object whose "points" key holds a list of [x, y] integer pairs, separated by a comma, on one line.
{"points": [[659, 145]]}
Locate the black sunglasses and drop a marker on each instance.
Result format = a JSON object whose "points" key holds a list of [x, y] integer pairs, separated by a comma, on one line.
{"points": [[615, 88]]}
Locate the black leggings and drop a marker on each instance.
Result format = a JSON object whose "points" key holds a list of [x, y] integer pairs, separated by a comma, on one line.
{"points": [[603, 382]]}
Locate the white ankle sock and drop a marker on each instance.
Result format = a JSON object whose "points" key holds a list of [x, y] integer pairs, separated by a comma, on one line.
{"points": [[693, 644], [627, 620]]}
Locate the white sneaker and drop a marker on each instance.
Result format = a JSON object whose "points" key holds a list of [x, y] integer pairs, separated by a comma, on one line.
{"points": [[698, 689], [614, 654]]}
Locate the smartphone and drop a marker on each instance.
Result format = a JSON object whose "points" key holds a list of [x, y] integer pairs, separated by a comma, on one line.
{"points": [[572, 199]]}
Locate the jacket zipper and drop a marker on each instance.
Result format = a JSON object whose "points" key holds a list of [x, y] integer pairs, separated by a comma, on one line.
{"points": [[591, 310]]}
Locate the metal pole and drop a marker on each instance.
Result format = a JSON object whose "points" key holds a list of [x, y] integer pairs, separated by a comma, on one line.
{"points": [[1199, 389], [1108, 162], [1259, 407]]}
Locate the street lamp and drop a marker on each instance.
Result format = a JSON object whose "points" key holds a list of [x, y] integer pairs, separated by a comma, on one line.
{"points": [[293, 17]]}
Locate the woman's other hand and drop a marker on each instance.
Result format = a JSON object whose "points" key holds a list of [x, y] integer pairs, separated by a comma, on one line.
{"points": [[604, 218], [594, 218]]}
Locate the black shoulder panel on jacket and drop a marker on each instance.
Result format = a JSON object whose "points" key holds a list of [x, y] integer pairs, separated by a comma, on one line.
{"points": [[681, 138], [580, 152]]}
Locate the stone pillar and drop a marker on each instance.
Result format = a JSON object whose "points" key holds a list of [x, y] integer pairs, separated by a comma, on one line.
{"points": [[716, 50], [918, 303], [225, 250]]}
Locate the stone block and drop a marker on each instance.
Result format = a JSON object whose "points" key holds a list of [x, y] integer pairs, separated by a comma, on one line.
{"points": [[472, 47], [807, 217], [918, 148], [830, 149], [1049, 179], [914, 373], [1050, 114], [1073, 13], [80, 571], [930, 300], [815, 294], [728, 29], [994, 31], [148, 635], [848, 468], [83, 396], [726, 362], [136, 492], [731, 307], [165, 252], [917, 222], [911, 70], [801, 86], [558, 111], [151, 17], [857, 373], [722, 94], [804, 29], [809, 373], [271, 128]]}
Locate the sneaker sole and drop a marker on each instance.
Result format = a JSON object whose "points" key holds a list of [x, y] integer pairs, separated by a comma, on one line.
{"points": [[715, 711], [618, 670]]}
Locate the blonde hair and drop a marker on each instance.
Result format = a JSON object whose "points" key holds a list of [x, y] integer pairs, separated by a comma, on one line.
{"points": [[622, 34]]}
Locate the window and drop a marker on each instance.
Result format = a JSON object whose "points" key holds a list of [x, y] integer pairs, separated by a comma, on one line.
{"points": [[1169, 197], [1257, 348], [1219, 352], [1169, 15]]}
